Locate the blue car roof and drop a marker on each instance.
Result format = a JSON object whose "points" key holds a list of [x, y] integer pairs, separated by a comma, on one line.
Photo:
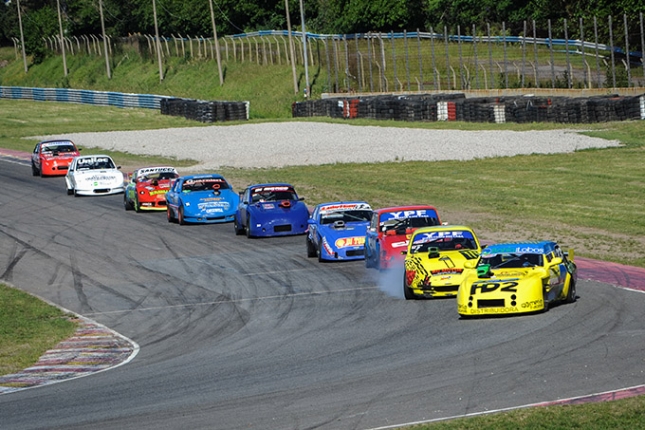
{"points": [[544, 247], [203, 175]]}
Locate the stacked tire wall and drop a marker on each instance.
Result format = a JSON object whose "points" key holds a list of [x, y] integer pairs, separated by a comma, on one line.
{"points": [[456, 107], [205, 111]]}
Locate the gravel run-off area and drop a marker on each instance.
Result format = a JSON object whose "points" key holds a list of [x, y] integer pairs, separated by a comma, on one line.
{"points": [[303, 143]]}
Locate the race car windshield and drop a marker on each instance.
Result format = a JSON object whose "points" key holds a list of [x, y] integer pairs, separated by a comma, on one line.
{"points": [[405, 223], [193, 185], [346, 216], [99, 163], [447, 243], [274, 196], [63, 147], [159, 176], [511, 261]]}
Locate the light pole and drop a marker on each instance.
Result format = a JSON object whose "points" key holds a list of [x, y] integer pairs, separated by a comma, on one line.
{"points": [[22, 38], [157, 41], [105, 47], [304, 49], [62, 40], [219, 60]]}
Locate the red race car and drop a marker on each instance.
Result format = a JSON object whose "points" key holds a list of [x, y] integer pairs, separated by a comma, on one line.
{"points": [[53, 157], [389, 232], [148, 187]]}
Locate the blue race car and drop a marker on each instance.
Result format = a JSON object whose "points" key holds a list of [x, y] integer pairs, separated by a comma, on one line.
{"points": [[271, 210], [337, 230], [206, 198]]}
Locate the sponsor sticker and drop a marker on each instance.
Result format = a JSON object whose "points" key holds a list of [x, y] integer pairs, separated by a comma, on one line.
{"points": [[346, 242]]}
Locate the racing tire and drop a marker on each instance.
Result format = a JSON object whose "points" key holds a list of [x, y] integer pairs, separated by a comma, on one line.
{"points": [[546, 302], [407, 291], [238, 231], [76, 194], [311, 248], [368, 260], [319, 253], [70, 191], [135, 205], [180, 216], [248, 227], [126, 203], [169, 214], [34, 170], [571, 294]]}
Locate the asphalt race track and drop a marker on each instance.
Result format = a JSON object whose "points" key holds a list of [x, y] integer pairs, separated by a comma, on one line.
{"points": [[251, 334]]}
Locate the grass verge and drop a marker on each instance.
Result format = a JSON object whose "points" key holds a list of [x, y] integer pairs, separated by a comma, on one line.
{"points": [[28, 327]]}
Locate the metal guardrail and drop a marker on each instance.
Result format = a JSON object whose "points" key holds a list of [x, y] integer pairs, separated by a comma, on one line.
{"points": [[101, 98]]}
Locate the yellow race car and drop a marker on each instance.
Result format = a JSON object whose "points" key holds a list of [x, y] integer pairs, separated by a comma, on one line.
{"points": [[435, 258], [514, 278]]}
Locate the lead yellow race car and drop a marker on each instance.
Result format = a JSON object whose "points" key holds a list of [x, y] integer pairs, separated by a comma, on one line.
{"points": [[435, 258], [515, 278]]}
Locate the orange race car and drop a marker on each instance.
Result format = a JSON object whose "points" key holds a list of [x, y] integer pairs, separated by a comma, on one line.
{"points": [[53, 157]]}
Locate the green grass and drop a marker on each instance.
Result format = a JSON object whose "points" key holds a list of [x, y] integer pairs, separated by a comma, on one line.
{"points": [[591, 199], [28, 327]]}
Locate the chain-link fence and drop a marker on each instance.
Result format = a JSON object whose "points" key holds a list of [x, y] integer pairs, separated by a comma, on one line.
{"points": [[575, 56]]}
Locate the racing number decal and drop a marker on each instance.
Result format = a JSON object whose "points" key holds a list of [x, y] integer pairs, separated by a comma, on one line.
{"points": [[487, 287]]}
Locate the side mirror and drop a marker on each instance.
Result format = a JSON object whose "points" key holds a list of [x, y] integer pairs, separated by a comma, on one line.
{"points": [[470, 264], [302, 199], [556, 261], [311, 221]]}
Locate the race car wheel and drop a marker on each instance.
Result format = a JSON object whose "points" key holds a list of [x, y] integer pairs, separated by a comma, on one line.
{"points": [[180, 216], [546, 301], [238, 230], [169, 215], [70, 191], [248, 227], [571, 294], [319, 252], [135, 204], [76, 194], [311, 248], [407, 291], [34, 170], [126, 203], [368, 260]]}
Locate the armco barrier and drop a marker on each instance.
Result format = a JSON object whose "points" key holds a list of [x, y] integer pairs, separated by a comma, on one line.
{"points": [[198, 110], [101, 98], [456, 107]]}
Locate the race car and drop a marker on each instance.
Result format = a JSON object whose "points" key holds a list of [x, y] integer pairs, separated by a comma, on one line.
{"points": [[271, 210], [435, 259], [204, 198], [91, 175], [515, 278], [53, 157], [389, 231], [337, 230], [148, 187]]}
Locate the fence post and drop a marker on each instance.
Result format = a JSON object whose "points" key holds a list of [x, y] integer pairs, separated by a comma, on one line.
{"points": [[611, 47], [420, 60], [628, 65], [551, 54], [394, 78], [475, 55]]}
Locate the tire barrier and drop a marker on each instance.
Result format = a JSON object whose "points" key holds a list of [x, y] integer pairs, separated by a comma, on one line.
{"points": [[102, 98], [205, 111], [456, 107]]}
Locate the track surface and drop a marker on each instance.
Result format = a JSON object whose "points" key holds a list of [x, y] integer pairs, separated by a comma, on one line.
{"points": [[238, 333]]}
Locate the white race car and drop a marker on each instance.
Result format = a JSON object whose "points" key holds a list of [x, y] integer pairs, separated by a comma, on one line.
{"points": [[91, 175]]}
